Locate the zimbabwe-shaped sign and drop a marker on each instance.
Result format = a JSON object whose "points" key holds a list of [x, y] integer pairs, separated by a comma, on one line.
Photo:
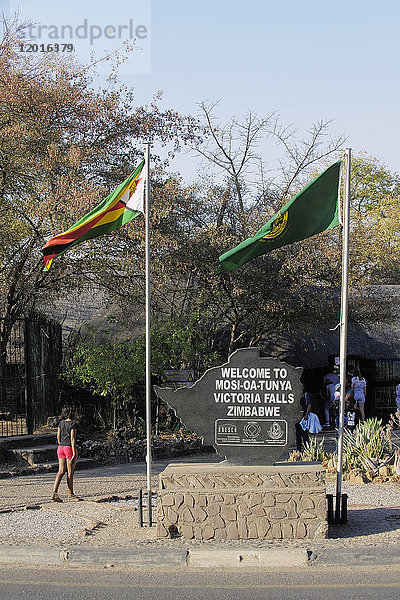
{"points": [[246, 409]]}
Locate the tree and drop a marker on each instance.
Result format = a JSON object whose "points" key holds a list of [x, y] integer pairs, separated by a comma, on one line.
{"points": [[115, 370], [110, 371], [375, 218], [234, 150], [292, 289], [63, 147], [246, 304]]}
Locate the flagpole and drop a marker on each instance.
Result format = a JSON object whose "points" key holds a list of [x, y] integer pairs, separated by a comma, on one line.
{"points": [[343, 332], [148, 365]]}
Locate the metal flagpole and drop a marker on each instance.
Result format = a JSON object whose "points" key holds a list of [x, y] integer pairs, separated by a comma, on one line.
{"points": [[148, 366], [343, 334]]}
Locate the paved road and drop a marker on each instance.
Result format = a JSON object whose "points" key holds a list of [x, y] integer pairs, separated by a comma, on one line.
{"points": [[111, 584]]}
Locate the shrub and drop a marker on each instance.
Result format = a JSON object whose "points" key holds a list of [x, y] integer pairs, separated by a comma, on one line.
{"points": [[368, 447], [314, 451]]}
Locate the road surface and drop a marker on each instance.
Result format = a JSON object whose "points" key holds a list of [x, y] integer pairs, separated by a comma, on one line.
{"points": [[356, 583]]}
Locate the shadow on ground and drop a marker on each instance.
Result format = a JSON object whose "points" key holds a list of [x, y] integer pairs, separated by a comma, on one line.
{"points": [[364, 522]]}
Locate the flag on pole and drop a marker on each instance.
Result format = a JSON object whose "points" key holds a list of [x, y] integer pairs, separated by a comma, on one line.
{"points": [[121, 206], [314, 209]]}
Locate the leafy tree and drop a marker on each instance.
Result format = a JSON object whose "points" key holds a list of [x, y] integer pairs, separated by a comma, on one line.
{"points": [[371, 182], [291, 289], [63, 147], [110, 371], [185, 343], [115, 370], [375, 219]]}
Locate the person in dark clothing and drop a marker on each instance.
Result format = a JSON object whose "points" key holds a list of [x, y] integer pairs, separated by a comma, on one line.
{"points": [[351, 415], [67, 452], [301, 434]]}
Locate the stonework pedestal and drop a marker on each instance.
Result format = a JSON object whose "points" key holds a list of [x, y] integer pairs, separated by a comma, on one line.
{"points": [[218, 501]]}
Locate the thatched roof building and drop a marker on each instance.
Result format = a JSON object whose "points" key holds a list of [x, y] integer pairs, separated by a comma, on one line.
{"points": [[373, 347]]}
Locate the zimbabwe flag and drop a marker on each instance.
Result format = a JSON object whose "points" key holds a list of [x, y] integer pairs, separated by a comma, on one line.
{"points": [[121, 206]]}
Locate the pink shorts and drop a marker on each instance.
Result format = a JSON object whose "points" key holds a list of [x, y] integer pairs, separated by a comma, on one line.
{"points": [[65, 452]]}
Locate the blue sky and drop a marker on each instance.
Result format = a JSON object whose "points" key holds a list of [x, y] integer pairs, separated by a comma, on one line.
{"points": [[308, 60]]}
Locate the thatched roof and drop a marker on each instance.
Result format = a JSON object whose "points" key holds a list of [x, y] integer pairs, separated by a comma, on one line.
{"points": [[76, 308], [376, 341]]}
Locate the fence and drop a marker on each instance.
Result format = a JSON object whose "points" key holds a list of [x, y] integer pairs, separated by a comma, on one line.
{"points": [[29, 368]]}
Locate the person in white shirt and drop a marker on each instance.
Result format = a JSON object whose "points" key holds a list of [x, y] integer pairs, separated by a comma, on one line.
{"points": [[359, 385]]}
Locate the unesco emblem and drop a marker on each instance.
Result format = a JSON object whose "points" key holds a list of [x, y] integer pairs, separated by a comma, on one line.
{"points": [[252, 429], [275, 431]]}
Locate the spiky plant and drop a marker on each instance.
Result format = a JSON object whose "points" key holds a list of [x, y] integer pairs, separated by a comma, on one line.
{"points": [[368, 446], [314, 451]]}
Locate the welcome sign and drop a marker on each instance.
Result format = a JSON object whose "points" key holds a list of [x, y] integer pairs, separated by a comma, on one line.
{"points": [[246, 409]]}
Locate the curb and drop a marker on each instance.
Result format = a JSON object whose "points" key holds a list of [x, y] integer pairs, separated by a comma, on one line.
{"points": [[33, 555], [155, 557], [122, 557], [202, 558], [251, 557], [360, 556]]}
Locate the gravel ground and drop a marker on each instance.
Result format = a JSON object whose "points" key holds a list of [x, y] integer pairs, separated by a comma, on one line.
{"points": [[374, 512], [38, 524], [369, 494]]}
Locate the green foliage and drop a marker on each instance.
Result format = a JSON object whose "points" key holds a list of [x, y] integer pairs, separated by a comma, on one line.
{"points": [[368, 447], [314, 451], [112, 370], [108, 370], [375, 223], [184, 344], [371, 181]]}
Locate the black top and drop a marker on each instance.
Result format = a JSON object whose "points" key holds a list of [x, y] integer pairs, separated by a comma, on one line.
{"points": [[65, 429], [305, 400], [353, 417]]}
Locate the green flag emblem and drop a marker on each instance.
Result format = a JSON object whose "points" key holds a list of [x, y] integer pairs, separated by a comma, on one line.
{"points": [[314, 209]]}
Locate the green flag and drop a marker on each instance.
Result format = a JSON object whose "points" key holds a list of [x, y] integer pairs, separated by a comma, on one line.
{"points": [[314, 209]]}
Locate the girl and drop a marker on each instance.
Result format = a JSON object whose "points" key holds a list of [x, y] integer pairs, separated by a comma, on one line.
{"points": [[67, 452], [359, 385]]}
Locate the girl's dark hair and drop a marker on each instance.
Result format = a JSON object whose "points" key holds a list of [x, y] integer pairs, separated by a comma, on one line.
{"points": [[357, 373], [68, 411]]}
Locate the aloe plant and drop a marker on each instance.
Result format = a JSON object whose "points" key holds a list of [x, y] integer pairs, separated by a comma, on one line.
{"points": [[368, 447], [314, 451]]}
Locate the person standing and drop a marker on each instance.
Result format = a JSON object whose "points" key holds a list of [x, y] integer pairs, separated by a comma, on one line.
{"points": [[301, 433], [351, 415], [330, 382], [67, 452], [308, 424], [359, 385], [348, 395]]}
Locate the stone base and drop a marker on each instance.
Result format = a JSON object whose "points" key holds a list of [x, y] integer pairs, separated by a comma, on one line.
{"points": [[218, 501]]}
